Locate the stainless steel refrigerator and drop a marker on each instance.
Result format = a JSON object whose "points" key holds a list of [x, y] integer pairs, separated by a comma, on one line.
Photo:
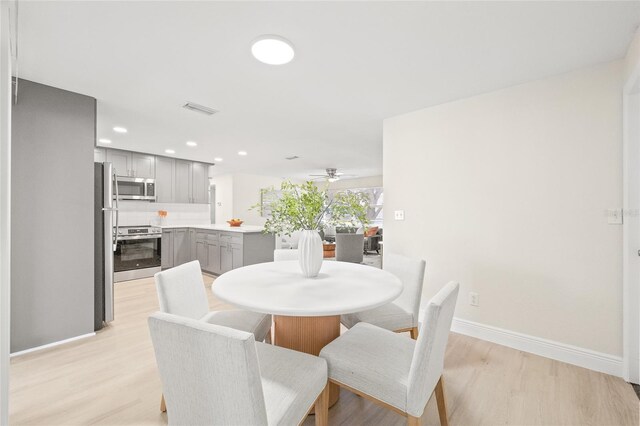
{"points": [[106, 226]]}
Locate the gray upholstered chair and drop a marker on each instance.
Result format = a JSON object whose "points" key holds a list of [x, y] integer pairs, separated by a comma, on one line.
{"points": [[391, 370], [214, 375], [402, 314], [181, 292], [285, 254], [349, 247]]}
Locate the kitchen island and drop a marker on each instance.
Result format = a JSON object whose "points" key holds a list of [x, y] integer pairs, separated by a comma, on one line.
{"points": [[219, 248]]}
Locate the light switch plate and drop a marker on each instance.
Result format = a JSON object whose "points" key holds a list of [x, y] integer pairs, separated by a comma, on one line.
{"points": [[614, 216], [398, 214]]}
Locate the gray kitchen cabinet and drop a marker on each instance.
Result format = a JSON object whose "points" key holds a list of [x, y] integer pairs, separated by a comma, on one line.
{"points": [[192, 244], [99, 155], [236, 255], [181, 246], [200, 183], [166, 253], [143, 165], [202, 255], [165, 169], [213, 257], [226, 258], [182, 181], [121, 161], [217, 251]]}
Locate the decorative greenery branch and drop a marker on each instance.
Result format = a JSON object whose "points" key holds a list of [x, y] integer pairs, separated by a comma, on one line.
{"points": [[305, 206]]}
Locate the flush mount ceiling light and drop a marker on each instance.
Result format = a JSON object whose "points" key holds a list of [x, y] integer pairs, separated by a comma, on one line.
{"points": [[103, 140], [192, 143], [272, 50], [169, 151], [119, 129], [243, 153], [217, 160]]}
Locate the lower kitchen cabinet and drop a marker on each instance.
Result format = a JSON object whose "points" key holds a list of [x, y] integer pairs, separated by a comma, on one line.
{"points": [[213, 258], [181, 246], [217, 251], [166, 250]]}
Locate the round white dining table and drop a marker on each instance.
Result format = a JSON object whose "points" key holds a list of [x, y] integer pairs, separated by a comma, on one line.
{"points": [[307, 310]]}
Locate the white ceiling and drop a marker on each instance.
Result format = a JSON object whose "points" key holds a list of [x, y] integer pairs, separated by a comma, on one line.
{"points": [[356, 63]]}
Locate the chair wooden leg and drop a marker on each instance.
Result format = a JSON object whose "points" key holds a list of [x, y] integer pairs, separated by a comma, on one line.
{"points": [[322, 407], [414, 333], [163, 406], [267, 338], [413, 421], [442, 408]]}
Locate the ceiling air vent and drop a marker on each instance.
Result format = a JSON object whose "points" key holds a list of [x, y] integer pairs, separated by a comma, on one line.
{"points": [[199, 108], [293, 157]]}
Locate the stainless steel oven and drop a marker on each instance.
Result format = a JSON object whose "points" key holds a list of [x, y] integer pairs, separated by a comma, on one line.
{"points": [[128, 188], [138, 253]]}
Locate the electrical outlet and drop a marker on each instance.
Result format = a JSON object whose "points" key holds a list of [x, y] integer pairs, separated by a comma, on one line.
{"points": [[614, 216], [398, 215], [474, 299]]}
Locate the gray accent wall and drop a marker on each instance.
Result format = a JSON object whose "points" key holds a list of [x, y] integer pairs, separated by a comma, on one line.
{"points": [[52, 280]]}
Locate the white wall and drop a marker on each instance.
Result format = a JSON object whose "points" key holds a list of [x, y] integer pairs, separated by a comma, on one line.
{"points": [[362, 182], [632, 57], [236, 193], [506, 193], [246, 193], [224, 198]]}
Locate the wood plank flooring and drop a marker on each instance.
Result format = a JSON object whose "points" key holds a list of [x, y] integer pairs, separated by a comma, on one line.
{"points": [[111, 379]]}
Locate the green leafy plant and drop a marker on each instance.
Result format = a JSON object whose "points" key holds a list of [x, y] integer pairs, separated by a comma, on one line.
{"points": [[305, 206]]}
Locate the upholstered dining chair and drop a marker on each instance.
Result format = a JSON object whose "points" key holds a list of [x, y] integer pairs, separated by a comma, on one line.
{"points": [[284, 254], [349, 247], [215, 375], [181, 292], [402, 314], [398, 373]]}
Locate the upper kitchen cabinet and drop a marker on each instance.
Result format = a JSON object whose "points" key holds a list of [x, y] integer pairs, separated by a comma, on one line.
{"points": [[165, 170], [121, 161], [182, 182], [143, 165], [200, 185], [132, 164], [191, 182]]}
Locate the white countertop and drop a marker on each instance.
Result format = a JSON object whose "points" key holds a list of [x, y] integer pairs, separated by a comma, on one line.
{"points": [[211, 227], [280, 288]]}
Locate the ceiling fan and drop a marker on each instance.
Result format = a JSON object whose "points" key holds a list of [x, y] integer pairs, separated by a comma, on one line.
{"points": [[332, 175]]}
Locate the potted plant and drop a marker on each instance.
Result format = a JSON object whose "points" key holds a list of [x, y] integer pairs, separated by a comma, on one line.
{"points": [[307, 208]]}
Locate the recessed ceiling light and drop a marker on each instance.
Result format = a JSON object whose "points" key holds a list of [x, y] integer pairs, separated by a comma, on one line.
{"points": [[118, 129], [242, 152], [169, 151], [103, 140], [217, 160], [192, 143], [272, 50]]}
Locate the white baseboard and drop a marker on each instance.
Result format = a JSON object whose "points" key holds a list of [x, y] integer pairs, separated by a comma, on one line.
{"points": [[586, 358], [51, 345]]}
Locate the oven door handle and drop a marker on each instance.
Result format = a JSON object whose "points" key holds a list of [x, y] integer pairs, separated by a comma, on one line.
{"points": [[138, 237]]}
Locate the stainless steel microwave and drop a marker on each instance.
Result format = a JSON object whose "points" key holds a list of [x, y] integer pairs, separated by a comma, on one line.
{"points": [[129, 188]]}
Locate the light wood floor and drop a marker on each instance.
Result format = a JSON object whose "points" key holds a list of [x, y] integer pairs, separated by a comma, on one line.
{"points": [[112, 379]]}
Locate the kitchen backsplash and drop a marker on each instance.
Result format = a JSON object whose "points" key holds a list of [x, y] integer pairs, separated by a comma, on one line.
{"points": [[134, 213]]}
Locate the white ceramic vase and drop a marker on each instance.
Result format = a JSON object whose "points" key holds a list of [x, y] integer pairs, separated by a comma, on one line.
{"points": [[310, 253]]}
